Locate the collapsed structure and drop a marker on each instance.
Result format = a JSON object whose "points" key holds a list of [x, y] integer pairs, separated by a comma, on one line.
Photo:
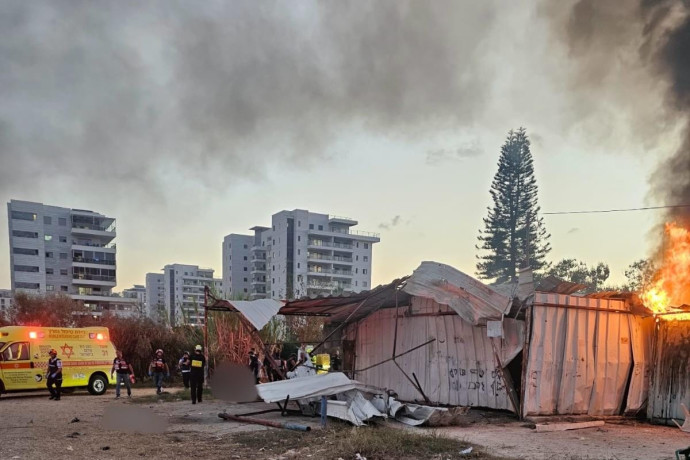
{"points": [[443, 338]]}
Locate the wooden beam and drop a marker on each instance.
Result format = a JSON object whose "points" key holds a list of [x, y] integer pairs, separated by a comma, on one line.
{"points": [[568, 426]]}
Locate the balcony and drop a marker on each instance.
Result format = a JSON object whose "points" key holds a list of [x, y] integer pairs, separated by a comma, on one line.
{"points": [[335, 231], [328, 244], [347, 260], [318, 257], [85, 260], [258, 282], [258, 270], [93, 280]]}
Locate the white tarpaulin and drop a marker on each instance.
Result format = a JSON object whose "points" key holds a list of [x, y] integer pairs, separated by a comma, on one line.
{"points": [[472, 300], [258, 312]]}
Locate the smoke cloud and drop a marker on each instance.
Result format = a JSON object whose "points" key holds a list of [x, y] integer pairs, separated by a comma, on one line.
{"points": [[629, 50], [133, 94]]}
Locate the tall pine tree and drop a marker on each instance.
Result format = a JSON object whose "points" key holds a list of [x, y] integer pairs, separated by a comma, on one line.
{"points": [[514, 235]]}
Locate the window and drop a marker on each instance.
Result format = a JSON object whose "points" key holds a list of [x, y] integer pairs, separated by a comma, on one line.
{"points": [[274, 268], [23, 234], [49, 271], [63, 288], [245, 246], [48, 237], [229, 257], [299, 251], [366, 258], [49, 255], [245, 289], [356, 270], [364, 284], [63, 272], [18, 351], [47, 220], [25, 251], [50, 287], [62, 221], [273, 280], [364, 271], [357, 244], [63, 255], [320, 227], [25, 268], [63, 239], [274, 228], [273, 293], [355, 283], [297, 264], [274, 242], [311, 226], [20, 285], [245, 280], [299, 223], [357, 258], [245, 257], [366, 245], [19, 215], [245, 269], [299, 238], [229, 245]]}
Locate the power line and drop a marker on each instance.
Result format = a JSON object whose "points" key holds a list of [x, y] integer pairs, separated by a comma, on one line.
{"points": [[599, 211]]}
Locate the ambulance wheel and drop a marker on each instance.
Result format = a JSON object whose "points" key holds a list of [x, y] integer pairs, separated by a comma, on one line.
{"points": [[97, 385]]}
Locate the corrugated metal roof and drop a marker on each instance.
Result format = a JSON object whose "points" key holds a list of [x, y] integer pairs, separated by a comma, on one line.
{"points": [[558, 286]]}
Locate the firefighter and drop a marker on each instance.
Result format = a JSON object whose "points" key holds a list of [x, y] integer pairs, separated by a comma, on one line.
{"points": [[158, 369], [196, 376], [54, 376]]}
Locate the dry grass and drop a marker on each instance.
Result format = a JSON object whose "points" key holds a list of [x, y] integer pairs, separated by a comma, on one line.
{"points": [[375, 442]]}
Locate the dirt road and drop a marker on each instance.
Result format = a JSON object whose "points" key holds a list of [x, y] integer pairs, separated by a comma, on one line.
{"points": [[33, 426]]}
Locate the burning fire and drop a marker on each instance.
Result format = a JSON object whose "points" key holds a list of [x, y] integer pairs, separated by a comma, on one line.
{"points": [[670, 286]]}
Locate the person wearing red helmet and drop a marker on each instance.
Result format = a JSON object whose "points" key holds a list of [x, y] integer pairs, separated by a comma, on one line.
{"points": [[123, 369], [54, 375], [158, 369]]}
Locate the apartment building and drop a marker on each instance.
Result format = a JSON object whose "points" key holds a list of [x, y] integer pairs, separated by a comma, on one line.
{"points": [[137, 292], [55, 249], [5, 301], [177, 295], [302, 253]]}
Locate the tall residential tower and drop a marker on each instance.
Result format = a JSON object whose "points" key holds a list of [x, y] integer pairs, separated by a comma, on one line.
{"points": [[54, 249], [301, 253]]}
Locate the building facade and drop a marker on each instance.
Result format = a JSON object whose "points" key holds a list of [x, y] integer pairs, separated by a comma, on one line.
{"points": [[177, 295], [5, 301], [300, 254], [55, 249]]}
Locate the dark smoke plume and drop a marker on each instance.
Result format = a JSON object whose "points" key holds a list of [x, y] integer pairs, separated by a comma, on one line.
{"points": [[631, 47], [134, 94]]}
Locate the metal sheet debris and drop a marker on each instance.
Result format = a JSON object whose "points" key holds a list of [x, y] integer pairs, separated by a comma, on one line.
{"points": [[471, 299], [258, 312]]}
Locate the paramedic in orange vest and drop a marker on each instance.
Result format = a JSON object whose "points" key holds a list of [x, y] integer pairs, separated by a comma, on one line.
{"points": [[158, 370], [197, 374], [54, 376]]}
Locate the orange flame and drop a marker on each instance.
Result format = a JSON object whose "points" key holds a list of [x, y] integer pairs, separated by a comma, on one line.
{"points": [[670, 286]]}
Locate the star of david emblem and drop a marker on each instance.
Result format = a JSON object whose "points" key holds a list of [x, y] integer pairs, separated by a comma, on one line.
{"points": [[67, 350]]}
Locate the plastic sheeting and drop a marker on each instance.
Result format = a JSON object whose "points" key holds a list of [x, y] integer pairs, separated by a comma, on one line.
{"points": [[472, 300], [457, 368], [258, 312], [580, 359]]}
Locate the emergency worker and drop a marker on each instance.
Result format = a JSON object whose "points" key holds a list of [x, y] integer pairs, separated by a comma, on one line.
{"points": [[196, 375], [185, 366], [158, 369], [54, 376], [123, 369]]}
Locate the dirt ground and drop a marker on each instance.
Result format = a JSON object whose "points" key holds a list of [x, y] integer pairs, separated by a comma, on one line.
{"points": [[33, 426]]}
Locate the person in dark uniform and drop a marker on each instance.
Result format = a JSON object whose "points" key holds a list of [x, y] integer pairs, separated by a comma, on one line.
{"points": [[336, 362], [196, 375], [123, 369], [54, 376], [254, 364], [185, 365], [158, 369]]}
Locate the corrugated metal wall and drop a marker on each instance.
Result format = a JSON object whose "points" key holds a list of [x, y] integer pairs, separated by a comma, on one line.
{"points": [[457, 369], [671, 375], [581, 360]]}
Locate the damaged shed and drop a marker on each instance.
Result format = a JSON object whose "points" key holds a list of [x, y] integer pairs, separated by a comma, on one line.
{"points": [[443, 337]]}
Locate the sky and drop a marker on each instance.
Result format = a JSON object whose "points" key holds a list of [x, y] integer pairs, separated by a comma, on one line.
{"points": [[188, 121]]}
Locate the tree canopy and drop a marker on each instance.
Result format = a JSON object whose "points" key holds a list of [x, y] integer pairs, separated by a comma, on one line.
{"points": [[514, 236]]}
